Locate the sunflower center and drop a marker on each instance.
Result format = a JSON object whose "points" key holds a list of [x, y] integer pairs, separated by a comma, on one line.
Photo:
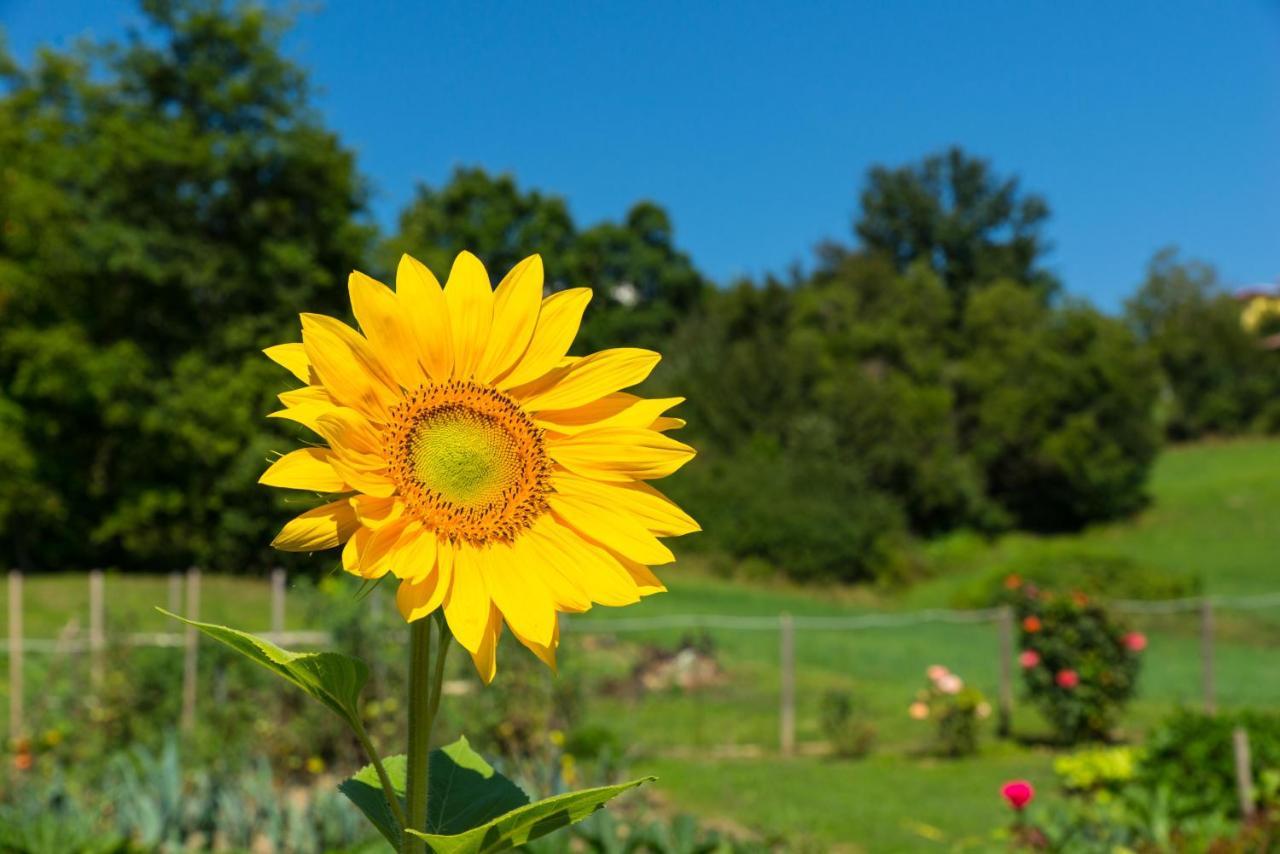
{"points": [[469, 463]]}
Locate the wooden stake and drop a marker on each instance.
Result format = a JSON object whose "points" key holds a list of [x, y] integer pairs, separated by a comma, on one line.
{"points": [[1004, 724], [16, 726], [1206, 655], [1244, 772], [97, 628], [190, 663], [787, 712], [277, 600]]}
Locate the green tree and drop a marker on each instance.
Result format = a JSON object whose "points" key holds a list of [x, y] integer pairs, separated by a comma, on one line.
{"points": [[1218, 379], [953, 212], [1057, 407], [169, 204]]}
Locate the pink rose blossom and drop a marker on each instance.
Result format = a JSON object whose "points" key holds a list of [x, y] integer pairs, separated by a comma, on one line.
{"points": [[950, 683], [1067, 679], [1135, 641], [936, 672], [1028, 658], [1018, 793]]}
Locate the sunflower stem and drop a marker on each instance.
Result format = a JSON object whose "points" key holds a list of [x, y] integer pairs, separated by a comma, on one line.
{"points": [[420, 706]]}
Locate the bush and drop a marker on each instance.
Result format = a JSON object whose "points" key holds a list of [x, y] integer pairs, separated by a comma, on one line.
{"points": [[1096, 770], [1079, 664], [957, 710], [846, 725], [1192, 753]]}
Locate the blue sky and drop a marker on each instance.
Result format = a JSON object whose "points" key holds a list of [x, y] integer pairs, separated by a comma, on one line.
{"points": [[1143, 123]]}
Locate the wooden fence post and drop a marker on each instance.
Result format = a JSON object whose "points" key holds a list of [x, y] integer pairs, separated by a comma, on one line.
{"points": [[1206, 654], [16, 727], [1004, 725], [787, 712], [97, 628], [189, 668], [1244, 772], [277, 600]]}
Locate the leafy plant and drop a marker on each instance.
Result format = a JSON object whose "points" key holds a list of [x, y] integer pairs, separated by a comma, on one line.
{"points": [[956, 709], [846, 725]]}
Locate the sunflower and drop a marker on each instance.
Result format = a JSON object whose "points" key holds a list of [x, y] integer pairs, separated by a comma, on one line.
{"points": [[471, 458]]}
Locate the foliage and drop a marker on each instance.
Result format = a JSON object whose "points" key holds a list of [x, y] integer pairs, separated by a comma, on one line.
{"points": [[1218, 380], [847, 725], [956, 709], [1191, 753], [605, 833], [1078, 663], [169, 204], [1097, 769], [1057, 407], [952, 211]]}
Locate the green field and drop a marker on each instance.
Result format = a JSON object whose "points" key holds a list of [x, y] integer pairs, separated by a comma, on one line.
{"points": [[715, 748]]}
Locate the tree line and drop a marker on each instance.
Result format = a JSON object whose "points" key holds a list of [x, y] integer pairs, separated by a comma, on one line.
{"points": [[170, 202]]}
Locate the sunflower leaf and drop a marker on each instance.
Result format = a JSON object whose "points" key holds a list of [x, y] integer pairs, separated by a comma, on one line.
{"points": [[471, 808], [328, 677]]}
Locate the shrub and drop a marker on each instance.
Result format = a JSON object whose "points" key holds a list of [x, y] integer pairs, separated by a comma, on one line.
{"points": [[956, 708], [1079, 664], [1097, 770], [1192, 753], [846, 725]]}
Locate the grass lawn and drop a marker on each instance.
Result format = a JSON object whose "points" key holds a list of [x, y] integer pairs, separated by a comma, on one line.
{"points": [[715, 749]]}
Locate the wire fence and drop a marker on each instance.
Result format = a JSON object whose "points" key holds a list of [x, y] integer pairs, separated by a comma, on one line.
{"points": [[770, 690]]}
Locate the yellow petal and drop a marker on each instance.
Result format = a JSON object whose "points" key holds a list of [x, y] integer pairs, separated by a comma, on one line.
{"points": [[419, 559], [591, 378], [351, 551], [620, 454], [663, 424], [377, 553], [347, 366], [470, 301], [554, 570], [519, 593], [305, 468], [374, 512], [312, 395], [418, 598], [557, 326], [428, 314], [485, 656], [366, 481], [646, 582], [308, 415], [324, 527], [545, 651], [647, 505], [516, 304], [618, 531], [466, 606], [591, 567], [293, 358], [386, 325], [349, 432], [614, 410]]}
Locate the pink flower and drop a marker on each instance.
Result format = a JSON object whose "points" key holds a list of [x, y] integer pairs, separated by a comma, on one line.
{"points": [[1028, 658], [1067, 679], [918, 711], [1135, 641], [949, 683], [936, 672], [1018, 793]]}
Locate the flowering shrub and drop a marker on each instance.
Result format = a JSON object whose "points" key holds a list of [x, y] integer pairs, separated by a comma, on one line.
{"points": [[846, 725], [1080, 666], [955, 707]]}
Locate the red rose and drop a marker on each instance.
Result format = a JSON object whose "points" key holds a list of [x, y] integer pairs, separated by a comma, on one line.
{"points": [[1135, 641], [1018, 793], [1031, 624], [1067, 679]]}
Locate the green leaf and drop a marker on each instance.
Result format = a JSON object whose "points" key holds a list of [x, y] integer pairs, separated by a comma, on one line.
{"points": [[471, 808], [364, 789], [330, 677]]}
